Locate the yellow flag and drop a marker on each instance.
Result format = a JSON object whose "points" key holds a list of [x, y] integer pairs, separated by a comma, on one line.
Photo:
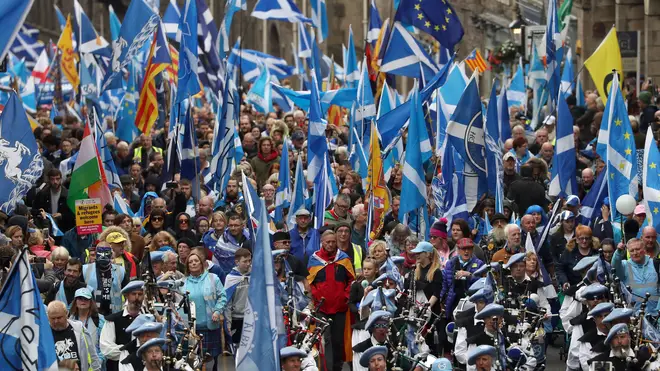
{"points": [[69, 57], [603, 61], [376, 188]]}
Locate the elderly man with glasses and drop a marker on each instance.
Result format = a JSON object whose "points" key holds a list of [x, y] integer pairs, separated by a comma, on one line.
{"points": [[339, 211], [637, 272]]}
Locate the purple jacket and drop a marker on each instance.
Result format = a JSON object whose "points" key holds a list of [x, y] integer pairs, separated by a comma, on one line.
{"points": [[448, 293]]}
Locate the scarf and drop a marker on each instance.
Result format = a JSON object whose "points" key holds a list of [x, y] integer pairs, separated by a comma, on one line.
{"points": [[409, 261], [104, 283], [270, 157]]}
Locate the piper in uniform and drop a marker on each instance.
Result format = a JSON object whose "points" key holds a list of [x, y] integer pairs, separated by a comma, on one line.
{"points": [[592, 342], [378, 326], [467, 323], [618, 341], [151, 354], [518, 284], [114, 334], [375, 358], [482, 358], [142, 334], [294, 359]]}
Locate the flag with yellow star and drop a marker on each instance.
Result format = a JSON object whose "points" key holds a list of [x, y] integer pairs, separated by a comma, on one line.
{"points": [[651, 180], [616, 146], [435, 17]]}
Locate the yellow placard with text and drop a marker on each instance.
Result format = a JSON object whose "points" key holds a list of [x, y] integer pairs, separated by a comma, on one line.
{"points": [[88, 216]]}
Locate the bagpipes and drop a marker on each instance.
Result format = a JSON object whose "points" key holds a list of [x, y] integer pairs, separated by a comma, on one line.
{"points": [[299, 331]]}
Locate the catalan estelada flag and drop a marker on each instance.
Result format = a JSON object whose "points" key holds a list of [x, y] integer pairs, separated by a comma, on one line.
{"points": [[477, 62], [159, 59], [173, 69]]}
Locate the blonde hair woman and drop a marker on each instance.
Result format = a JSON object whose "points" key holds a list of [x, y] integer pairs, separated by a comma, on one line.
{"points": [[161, 239]]}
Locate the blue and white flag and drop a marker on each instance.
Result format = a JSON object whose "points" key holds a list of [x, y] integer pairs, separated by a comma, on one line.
{"points": [[121, 206], [517, 94], [374, 24], [538, 84], [279, 10], [492, 114], [90, 40], [249, 64], [171, 19], [579, 93], [351, 70], [12, 15], [60, 17], [358, 159], [651, 179], [263, 327], [405, 56], [304, 43], [211, 70], [105, 155], [590, 209], [503, 117], [26, 338], [300, 194], [553, 45], [115, 24], [138, 28], [57, 232], [563, 182], [231, 7], [339, 97], [317, 144], [189, 149], [23, 164], [283, 192], [616, 146], [224, 147], [126, 129], [27, 48], [188, 53], [364, 109], [452, 188], [414, 183], [261, 92], [568, 75], [320, 18]]}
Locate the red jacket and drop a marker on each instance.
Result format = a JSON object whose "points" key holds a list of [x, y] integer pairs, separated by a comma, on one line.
{"points": [[330, 279]]}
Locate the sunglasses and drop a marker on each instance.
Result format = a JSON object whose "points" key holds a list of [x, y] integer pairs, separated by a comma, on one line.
{"points": [[584, 238], [183, 221], [284, 242], [381, 325], [157, 219]]}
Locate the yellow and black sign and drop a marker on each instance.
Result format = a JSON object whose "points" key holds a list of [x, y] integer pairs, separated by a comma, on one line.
{"points": [[88, 216]]}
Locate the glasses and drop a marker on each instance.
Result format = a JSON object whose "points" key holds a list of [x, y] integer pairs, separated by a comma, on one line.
{"points": [[157, 219], [381, 325], [285, 242], [584, 238], [465, 248], [183, 221], [343, 207], [434, 237]]}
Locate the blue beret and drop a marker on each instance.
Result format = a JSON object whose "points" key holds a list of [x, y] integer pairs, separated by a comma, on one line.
{"points": [[385, 276], [157, 342], [585, 263], [515, 258], [139, 321], [618, 314], [593, 291], [369, 299], [132, 286], [156, 256], [398, 259], [490, 310], [619, 328], [481, 350], [148, 327], [165, 284], [369, 353], [601, 309], [376, 316], [485, 294], [477, 285], [287, 352], [442, 364]]}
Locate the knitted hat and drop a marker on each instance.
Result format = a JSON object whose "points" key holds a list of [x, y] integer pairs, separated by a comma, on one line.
{"points": [[439, 228]]}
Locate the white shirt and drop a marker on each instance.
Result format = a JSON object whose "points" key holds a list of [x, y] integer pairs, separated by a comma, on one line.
{"points": [[586, 353], [109, 348]]}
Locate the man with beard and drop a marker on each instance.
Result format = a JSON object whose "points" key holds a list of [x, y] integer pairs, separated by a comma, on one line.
{"points": [[114, 335], [105, 280], [231, 200], [513, 238], [141, 335], [591, 344], [618, 340], [496, 239], [151, 354], [65, 289], [249, 146], [72, 341]]}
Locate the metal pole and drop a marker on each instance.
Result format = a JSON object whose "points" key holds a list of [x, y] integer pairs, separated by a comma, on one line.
{"points": [[264, 36], [365, 21], [639, 60]]}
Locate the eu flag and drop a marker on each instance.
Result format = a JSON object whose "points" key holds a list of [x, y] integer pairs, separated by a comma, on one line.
{"points": [[435, 17]]}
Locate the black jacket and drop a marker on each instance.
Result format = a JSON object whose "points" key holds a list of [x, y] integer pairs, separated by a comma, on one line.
{"points": [[527, 192], [646, 118], [42, 201]]}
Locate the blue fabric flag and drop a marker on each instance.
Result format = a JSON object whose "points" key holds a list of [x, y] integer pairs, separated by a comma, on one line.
{"points": [[351, 70], [249, 64], [563, 182], [57, 232], [171, 19], [90, 40], [492, 114], [188, 57], [189, 150], [538, 84], [317, 144], [568, 75], [283, 192], [23, 164], [651, 179], [300, 193], [12, 15], [126, 129], [452, 188], [223, 147], [106, 156], [211, 70], [320, 18], [579, 92], [437, 18], [304, 43], [503, 117], [27, 48], [60, 17], [261, 94], [590, 209], [616, 146], [231, 7], [339, 97], [552, 55], [517, 94], [413, 183], [27, 340], [138, 28], [120, 205], [279, 10], [374, 24], [115, 24], [405, 56]]}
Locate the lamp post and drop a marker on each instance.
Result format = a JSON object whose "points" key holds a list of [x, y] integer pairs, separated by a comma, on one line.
{"points": [[517, 27]]}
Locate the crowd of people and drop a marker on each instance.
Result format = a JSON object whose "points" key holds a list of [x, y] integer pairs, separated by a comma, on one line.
{"points": [[470, 294]]}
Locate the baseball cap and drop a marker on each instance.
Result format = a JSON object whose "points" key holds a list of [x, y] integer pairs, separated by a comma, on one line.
{"points": [[115, 237]]}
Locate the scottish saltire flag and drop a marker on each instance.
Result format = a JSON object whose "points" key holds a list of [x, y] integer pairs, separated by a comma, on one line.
{"points": [[538, 83], [61, 19], [452, 90], [338, 97], [300, 194], [211, 69], [503, 117], [28, 96], [436, 18], [358, 158], [553, 45], [23, 164], [231, 7], [517, 94], [592, 202], [261, 92], [89, 84], [90, 40], [374, 24], [413, 183], [651, 179], [188, 53], [27, 340], [320, 18], [12, 15], [563, 182], [389, 99], [27, 47], [452, 188], [249, 64], [579, 93], [405, 56], [616, 145], [115, 24], [568, 75], [365, 107], [304, 43], [138, 28], [189, 150], [171, 19], [120, 205], [283, 192], [351, 70], [279, 10], [224, 147], [492, 114], [263, 326], [57, 232], [104, 154], [317, 144]]}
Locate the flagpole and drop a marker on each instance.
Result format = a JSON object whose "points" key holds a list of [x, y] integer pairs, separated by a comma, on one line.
{"points": [[365, 21], [264, 36]]}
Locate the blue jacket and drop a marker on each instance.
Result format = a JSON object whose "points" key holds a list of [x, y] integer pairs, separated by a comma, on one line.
{"points": [[299, 247], [209, 296], [448, 292], [641, 278]]}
